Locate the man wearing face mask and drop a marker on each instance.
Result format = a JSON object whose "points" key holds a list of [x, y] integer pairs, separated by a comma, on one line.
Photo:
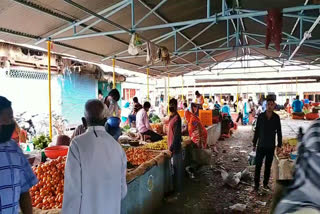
{"points": [[174, 145], [16, 176], [95, 173]]}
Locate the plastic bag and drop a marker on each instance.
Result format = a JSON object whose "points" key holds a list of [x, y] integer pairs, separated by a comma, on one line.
{"points": [[133, 48]]}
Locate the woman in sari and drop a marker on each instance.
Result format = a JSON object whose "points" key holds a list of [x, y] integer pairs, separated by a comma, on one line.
{"points": [[197, 131]]}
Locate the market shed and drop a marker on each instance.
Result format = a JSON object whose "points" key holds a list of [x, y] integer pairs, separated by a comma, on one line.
{"points": [[198, 34]]}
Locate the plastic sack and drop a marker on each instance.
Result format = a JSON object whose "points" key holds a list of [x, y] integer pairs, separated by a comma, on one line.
{"points": [[133, 48]]}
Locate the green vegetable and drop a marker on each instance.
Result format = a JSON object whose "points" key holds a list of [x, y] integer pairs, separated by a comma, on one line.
{"points": [[41, 142], [155, 119], [126, 128]]}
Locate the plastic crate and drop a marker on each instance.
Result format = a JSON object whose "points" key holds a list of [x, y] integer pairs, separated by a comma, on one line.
{"points": [[205, 117]]}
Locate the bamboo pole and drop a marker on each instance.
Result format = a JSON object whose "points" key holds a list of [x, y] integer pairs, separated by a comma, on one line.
{"points": [[148, 92]]}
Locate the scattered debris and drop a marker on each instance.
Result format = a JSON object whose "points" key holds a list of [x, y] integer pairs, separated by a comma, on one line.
{"points": [[235, 159], [243, 151], [231, 179], [224, 151], [261, 203], [238, 207]]}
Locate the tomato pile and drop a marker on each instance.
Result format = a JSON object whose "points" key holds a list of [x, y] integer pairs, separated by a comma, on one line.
{"points": [[48, 193], [137, 156]]}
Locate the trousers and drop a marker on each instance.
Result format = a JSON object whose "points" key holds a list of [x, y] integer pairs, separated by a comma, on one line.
{"points": [[260, 155]]}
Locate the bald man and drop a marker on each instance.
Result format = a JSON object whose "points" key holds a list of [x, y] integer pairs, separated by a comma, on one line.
{"points": [[95, 173]]}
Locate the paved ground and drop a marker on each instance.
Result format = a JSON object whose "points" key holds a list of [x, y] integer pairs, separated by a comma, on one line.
{"points": [[208, 194]]}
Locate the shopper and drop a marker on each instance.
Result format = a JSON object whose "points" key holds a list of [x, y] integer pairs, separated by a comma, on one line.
{"points": [[95, 173], [136, 107], [112, 109], [240, 107], [143, 125], [16, 176], [268, 125], [174, 145], [303, 196], [286, 104], [100, 95]]}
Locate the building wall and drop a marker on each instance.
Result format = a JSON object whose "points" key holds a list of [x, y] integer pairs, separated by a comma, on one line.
{"points": [[27, 89], [76, 90]]}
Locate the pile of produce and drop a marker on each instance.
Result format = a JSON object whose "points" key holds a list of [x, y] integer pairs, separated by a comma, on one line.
{"points": [[137, 156], [157, 127], [48, 192], [41, 142], [287, 148], [160, 145], [155, 119]]}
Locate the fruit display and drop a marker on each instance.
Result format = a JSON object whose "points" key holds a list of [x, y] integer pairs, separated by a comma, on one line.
{"points": [[160, 145], [157, 127], [286, 150], [48, 192], [137, 156], [41, 142]]}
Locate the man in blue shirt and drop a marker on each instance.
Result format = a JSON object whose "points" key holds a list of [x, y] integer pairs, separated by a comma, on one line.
{"points": [[297, 105], [16, 176]]}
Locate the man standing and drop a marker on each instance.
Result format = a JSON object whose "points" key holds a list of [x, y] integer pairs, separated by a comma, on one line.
{"points": [[174, 145], [268, 125], [16, 174], [240, 109], [143, 125], [136, 107], [95, 173]]}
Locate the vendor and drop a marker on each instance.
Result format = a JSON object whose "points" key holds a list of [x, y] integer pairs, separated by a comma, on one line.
{"points": [[225, 109], [80, 129], [136, 107], [297, 105], [286, 104], [199, 99], [143, 125], [197, 131]]}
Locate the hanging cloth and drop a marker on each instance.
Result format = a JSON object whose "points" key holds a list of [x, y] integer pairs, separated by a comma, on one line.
{"points": [[151, 53], [135, 42], [274, 28]]}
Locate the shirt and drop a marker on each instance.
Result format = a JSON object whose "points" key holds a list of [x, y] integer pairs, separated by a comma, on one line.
{"points": [[142, 121], [305, 190], [174, 133], [136, 108], [297, 106], [266, 131], [113, 110], [95, 174], [16, 177], [226, 109], [240, 106]]}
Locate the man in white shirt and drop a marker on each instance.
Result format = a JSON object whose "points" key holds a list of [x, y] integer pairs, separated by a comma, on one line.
{"points": [[240, 109], [95, 173], [143, 125]]}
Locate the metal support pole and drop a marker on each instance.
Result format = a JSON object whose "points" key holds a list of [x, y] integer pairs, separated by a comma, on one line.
{"points": [[237, 33], [114, 72], [228, 33], [208, 9], [168, 92], [132, 15], [182, 84], [175, 42], [49, 84], [148, 92], [301, 28], [223, 8]]}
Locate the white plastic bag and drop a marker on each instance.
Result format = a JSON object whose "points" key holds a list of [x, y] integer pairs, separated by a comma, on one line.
{"points": [[133, 49]]}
